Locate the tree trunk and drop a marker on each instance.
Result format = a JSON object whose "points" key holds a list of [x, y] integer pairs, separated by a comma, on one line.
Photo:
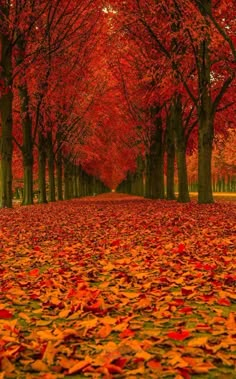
{"points": [[27, 148], [180, 141], [206, 127], [170, 148], [147, 191], [156, 161], [59, 176], [51, 167], [42, 198], [6, 116], [68, 188]]}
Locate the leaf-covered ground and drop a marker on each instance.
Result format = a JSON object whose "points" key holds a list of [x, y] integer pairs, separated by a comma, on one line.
{"points": [[118, 289]]}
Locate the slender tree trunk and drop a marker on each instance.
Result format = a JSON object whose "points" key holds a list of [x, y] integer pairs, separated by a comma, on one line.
{"points": [[59, 176], [183, 195], [206, 119], [27, 148], [68, 186], [42, 198], [170, 148], [147, 192], [6, 116], [51, 167], [77, 181], [156, 163], [140, 169]]}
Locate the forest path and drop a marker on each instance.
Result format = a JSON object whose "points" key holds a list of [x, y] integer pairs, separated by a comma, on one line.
{"points": [[118, 289]]}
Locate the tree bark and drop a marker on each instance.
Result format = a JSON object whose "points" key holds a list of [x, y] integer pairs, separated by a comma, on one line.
{"points": [[59, 176], [6, 115], [206, 128], [170, 149], [51, 167], [42, 198], [181, 145], [156, 161], [27, 148]]}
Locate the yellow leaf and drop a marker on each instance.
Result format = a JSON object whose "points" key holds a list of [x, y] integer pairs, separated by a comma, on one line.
{"points": [[66, 363], [49, 353], [230, 322], [39, 366], [88, 324], [138, 371], [109, 347], [43, 322], [130, 295], [134, 345], [9, 339], [108, 320], [55, 301], [226, 359], [198, 342], [203, 368], [109, 267], [69, 332], [80, 365], [46, 335], [180, 280], [64, 313], [144, 303], [144, 355], [24, 316], [75, 316]]}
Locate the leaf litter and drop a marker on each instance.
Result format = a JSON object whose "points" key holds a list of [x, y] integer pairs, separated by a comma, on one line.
{"points": [[118, 289]]}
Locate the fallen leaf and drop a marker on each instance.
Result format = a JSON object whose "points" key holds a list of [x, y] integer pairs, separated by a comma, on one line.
{"points": [[80, 365]]}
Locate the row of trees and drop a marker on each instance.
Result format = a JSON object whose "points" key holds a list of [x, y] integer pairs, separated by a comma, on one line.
{"points": [[96, 89], [47, 87], [185, 100]]}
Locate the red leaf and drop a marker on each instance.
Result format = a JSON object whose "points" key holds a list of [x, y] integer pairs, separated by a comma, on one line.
{"points": [[4, 313], [224, 302], [181, 248], [127, 333], [186, 310], [115, 243], [184, 372], [120, 362], [186, 291], [179, 336], [34, 272]]}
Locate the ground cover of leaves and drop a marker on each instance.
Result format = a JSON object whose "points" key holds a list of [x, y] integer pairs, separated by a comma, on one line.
{"points": [[118, 289]]}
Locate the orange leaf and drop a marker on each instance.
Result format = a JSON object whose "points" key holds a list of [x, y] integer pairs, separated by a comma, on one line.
{"points": [[154, 364], [104, 331], [80, 365]]}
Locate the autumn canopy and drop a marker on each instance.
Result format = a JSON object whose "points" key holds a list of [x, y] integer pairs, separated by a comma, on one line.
{"points": [[100, 94]]}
